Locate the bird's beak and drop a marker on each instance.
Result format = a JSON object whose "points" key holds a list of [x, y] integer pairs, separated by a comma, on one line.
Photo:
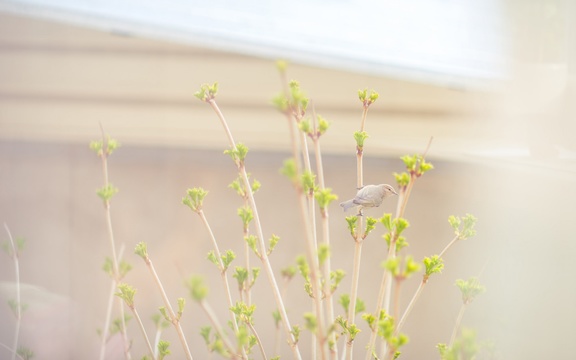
{"points": [[394, 192]]}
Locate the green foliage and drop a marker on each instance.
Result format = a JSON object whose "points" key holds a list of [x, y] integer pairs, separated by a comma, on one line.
{"points": [[308, 182], [433, 265], [305, 126], [336, 277], [181, 304], [107, 192], [213, 258], [370, 225], [238, 154], [281, 65], [243, 311], [463, 227], [277, 318], [310, 322], [163, 349], [207, 92], [272, 243], [159, 322], [289, 272], [164, 313], [367, 99], [303, 267], [227, 259], [351, 220], [126, 293], [25, 353], [394, 265], [400, 241], [345, 302], [194, 198], [298, 100], [241, 276], [197, 287], [116, 324], [141, 250], [470, 289], [323, 253], [251, 241], [296, 333], [289, 170], [352, 330], [323, 125], [360, 137], [240, 188], [324, 197], [386, 331], [402, 179], [280, 102], [465, 347], [104, 148], [416, 165], [17, 308], [246, 215], [19, 244], [205, 333]]}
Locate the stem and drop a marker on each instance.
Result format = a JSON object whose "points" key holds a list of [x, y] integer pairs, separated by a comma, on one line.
{"points": [[150, 349], [13, 351], [116, 277], [354, 292], [18, 298], [457, 325], [223, 275], [448, 246], [258, 340], [358, 240], [214, 320], [173, 319], [410, 305], [262, 245], [156, 341]]}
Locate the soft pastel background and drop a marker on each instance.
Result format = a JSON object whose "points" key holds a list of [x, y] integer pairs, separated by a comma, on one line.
{"points": [[504, 150]]}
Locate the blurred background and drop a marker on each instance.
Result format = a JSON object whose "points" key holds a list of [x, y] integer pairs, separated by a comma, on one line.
{"points": [[493, 82]]}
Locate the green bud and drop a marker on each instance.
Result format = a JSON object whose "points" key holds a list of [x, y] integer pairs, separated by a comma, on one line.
{"points": [[213, 258], [163, 349], [205, 333], [238, 154], [272, 243], [194, 198], [141, 250], [402, 179], [308, 181], [280, 103], [281, 65], [351, 220], [470, 289], [296, 333], [324, 197], [277, 318], [360, 137], [241, 275], [433, 265], [370, 225], [197, 287], [181, 304], [323, 253], [126, 293], [305, 127], [289, 272], [345, 302], [289, 169], [227, 258], [336, 277], [106, 192], [207, 92], [251, 241], [310, 322], [323, 125]]}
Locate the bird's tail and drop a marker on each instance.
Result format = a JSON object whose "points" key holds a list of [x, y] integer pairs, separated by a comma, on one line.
{"points": [[348, 204]]}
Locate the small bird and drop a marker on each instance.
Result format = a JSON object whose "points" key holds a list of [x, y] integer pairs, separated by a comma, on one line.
{"points": [[369, 196]]}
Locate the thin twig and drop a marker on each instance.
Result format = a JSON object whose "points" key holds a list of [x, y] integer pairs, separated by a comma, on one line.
{"points": [[260, 235], [173, 318], [214, 320]]}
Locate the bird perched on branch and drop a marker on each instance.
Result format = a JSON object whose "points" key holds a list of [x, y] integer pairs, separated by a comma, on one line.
{"points": [[369, 196]]}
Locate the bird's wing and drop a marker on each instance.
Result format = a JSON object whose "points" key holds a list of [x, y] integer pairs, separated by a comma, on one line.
{"points": [[364, 198]]}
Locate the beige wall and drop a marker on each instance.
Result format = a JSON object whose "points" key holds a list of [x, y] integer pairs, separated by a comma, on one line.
{"points": [[524, 246]]}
